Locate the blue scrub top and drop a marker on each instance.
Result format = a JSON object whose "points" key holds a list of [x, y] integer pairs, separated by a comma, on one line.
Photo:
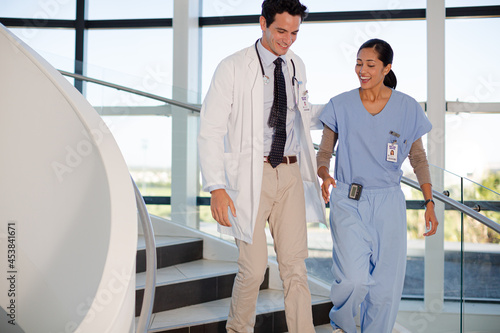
{"points": [[361, 155]]}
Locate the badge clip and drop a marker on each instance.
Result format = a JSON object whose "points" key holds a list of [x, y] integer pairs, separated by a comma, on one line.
{"points": [[395, 134]]}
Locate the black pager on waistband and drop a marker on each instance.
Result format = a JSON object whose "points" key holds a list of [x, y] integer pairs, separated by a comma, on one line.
{"points": [[355, 191]]}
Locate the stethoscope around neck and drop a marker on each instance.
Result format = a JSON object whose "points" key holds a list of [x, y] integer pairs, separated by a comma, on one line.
{"points": [[264, 76]]}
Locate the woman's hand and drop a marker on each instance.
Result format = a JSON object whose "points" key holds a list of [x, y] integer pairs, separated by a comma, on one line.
{"points": [[431, 222], [325, 188], [327, 181]]}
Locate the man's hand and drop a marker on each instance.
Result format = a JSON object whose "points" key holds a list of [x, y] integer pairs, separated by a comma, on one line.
{"points": [[219, 203]]}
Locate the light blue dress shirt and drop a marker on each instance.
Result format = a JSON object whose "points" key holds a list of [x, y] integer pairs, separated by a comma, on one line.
{"points": [[268, 58]]}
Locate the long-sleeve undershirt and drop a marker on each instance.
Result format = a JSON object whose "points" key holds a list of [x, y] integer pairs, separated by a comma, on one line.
{"points": [[417, 156]]}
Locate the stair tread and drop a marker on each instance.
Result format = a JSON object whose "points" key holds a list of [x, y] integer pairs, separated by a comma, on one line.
{"points": [[165, 241], [189, 271], [327, 328], [269, 300]]}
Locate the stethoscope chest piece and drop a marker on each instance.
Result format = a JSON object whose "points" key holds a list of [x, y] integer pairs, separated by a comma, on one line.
{"points": [[265, 78]]}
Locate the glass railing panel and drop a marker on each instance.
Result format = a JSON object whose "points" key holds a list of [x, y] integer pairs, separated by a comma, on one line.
{"points": [[481, 249], [484, 196], [207, 223], [142, 128], [471, 251], [319, 240], [319, 262], [481, 262], [452, 247], [414, 279]]}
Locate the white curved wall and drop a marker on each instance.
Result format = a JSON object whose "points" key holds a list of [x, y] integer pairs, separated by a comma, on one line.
{"points": [[65, 186]]}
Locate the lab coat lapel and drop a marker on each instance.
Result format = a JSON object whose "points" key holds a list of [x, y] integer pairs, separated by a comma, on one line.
{"points": [[256, 85]]}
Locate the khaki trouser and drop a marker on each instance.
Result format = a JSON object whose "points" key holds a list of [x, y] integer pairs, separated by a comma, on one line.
{"points": [[282, 205]]}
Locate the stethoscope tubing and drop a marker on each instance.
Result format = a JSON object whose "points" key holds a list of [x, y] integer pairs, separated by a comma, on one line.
{"points": [[262, 66]]}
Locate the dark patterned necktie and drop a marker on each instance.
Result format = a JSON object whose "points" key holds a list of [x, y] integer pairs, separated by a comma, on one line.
{"points": [[277, 118]]}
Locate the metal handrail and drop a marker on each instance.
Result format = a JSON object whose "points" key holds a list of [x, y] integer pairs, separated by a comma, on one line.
{"points": [[192, 107], [149, 289], [455, 204]]}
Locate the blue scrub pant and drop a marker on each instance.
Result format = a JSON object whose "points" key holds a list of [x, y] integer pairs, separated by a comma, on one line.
{"points": [[369, 257]]}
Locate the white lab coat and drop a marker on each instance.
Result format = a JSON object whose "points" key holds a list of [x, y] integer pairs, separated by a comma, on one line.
{"points": [[230, 142]]}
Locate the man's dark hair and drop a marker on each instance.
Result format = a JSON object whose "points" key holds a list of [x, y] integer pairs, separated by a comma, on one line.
{"points": [[272, 7]]}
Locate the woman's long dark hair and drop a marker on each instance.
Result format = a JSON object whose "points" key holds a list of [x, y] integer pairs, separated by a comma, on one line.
{"points": [[385, 54]]}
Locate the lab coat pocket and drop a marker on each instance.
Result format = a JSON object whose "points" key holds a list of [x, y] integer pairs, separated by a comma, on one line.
{"points": [[231, 162]]}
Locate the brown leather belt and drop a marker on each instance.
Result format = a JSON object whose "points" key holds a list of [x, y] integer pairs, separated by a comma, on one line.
{"points": [[286, 159]]}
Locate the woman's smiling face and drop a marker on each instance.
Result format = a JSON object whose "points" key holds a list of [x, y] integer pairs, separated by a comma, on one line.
{"points": [[370, 69]]}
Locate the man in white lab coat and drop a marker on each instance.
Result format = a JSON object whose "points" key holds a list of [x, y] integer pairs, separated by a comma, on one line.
{"points": [[238, 163]]}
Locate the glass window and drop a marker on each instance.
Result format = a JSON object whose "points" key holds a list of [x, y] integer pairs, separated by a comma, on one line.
{"points": [[231, 7], [146, 145], [330, 59], [145, 142], [254, 7], [329, 52], [226, 40], [471, 145], [135, 58], [129, 9], [471, 73], [57, 46], [360, 5], [39, 9], [470, 3]]}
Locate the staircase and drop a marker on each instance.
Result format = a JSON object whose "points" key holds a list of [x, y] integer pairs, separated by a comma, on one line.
{"points": [[194, 284]]}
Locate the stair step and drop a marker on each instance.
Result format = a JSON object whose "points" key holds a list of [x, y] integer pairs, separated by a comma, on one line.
{"points": [[193, 270], [327, 328], [169, 251], [212, 316], [190, 283]]}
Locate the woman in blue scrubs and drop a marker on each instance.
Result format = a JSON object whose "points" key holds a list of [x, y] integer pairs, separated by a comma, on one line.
{"points": [[376, 128]]}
